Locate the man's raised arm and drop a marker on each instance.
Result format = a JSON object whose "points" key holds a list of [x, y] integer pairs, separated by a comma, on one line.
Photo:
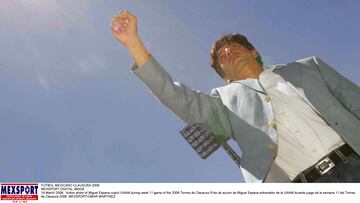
{"points": [[190, 105], [124, 29]]}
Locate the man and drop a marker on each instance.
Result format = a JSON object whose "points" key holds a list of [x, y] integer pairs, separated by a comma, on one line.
{"points": [[297, 122]]}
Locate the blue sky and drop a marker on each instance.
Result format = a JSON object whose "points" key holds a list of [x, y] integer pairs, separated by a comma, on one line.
{"points": [[71, 111]]}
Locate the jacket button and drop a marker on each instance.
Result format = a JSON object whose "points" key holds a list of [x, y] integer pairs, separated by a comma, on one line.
{"points": [[267, 98], [272, 124], [272, 147]]}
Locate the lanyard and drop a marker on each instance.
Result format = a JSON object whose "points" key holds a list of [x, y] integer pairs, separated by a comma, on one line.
{"points": [[261, 92]]}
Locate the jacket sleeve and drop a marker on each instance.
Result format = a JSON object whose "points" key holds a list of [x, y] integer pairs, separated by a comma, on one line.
{"points": [[347, 93], [190, 105]]}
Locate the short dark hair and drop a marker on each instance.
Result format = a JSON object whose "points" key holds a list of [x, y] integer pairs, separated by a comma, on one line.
{"points": [[227, 39]]}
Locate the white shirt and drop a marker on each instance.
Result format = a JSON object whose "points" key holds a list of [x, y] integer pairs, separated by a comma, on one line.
{"points": [[303, 136]]}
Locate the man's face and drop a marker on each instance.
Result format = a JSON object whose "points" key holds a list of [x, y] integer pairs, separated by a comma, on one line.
{"points": [[233, 58]]}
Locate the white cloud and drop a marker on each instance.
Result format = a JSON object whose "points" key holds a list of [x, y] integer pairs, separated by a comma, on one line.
{"points": [[43, 81]]}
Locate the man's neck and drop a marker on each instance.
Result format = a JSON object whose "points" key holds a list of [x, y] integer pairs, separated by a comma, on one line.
{"points": [[250, 72], [254, 73]]}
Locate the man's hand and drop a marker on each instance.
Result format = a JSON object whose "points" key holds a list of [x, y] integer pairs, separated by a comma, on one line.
{"points": [[124, 29]]}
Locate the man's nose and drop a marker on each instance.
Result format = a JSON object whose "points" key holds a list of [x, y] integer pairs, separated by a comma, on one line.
{"points": [[227, 52]]}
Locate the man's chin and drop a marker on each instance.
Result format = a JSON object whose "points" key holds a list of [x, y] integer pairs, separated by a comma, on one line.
{"points": [[241, 62]]}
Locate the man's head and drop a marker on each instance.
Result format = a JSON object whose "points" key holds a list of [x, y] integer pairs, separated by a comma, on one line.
{"points": [[233, 55]]}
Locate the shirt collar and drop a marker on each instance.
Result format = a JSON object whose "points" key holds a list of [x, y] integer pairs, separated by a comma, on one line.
{"points": [[253, 83]]}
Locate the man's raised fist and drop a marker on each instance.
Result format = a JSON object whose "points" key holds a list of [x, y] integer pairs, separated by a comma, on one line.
{"points": [[124, 27]]}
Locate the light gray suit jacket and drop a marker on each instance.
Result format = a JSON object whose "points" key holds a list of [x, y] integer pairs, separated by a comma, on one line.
{"points": [[336, 99]]}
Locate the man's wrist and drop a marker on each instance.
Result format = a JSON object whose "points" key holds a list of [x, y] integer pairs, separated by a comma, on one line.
{"points": [[138, 51], [133, 41]]}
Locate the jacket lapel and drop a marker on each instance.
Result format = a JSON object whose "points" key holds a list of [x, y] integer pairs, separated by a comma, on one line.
{"points": [[293, 75]]}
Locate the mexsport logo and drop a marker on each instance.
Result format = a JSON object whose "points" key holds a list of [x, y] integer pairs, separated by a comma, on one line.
{"points": [[19, 191]]}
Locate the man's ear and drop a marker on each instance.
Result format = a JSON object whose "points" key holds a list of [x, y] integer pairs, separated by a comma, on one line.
{"points": [[226, 79], [254, 53], [223, 70]]}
